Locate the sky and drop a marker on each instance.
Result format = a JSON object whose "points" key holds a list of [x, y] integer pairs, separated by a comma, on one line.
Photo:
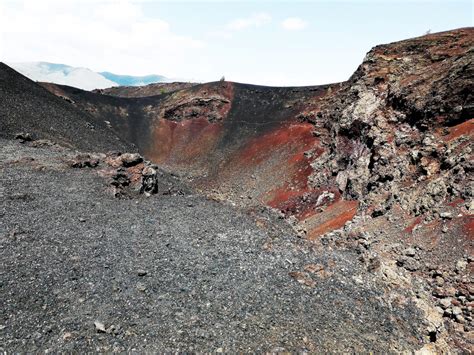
{"points": [[280, 43]]}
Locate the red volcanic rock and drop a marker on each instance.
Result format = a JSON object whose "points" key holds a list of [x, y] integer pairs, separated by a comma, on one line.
{"points": [[401, 124], [130, 159]]}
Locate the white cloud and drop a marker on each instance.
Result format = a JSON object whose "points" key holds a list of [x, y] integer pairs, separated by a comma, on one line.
{"points": [[255, 20], [294, 23], [112, 35], [222, 34]]}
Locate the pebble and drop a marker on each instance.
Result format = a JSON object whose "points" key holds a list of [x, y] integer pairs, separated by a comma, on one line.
{"points": [[448, 312], [446, 215], [457, 109], [439, 281], [99, 326], [113, 329], [461, 265], [141, 287], [445, 302], [410, 252], [442, 292], [457, 311], [141, 272]]}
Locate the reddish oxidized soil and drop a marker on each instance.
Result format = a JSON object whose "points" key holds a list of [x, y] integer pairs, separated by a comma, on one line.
{"points": [[463, 129], [183, 142], [333, 217], [278, 154]]}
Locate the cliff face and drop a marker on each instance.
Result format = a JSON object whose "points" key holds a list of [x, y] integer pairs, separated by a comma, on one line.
{"points": [[405, 96], [400, 130]]}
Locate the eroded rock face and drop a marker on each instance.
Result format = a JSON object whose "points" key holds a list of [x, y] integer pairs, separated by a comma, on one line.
{"points": [[210, 102], [400, 144], [391, 125]]}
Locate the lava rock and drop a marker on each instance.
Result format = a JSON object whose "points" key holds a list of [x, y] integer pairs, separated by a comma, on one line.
{"points": [[149, 181], [84, 161], [410, 252], [23, 137], [99, 327], [131, 159]]}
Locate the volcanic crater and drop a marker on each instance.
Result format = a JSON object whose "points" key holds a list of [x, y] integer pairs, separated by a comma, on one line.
{"points": [[235, 217]]}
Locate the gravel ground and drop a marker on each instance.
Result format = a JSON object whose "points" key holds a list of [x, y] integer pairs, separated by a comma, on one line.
{"points": [[84, 271]]}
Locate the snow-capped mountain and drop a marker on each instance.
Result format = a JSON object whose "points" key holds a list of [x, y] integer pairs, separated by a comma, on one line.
{"points": [[83, 78], [129, 80]]}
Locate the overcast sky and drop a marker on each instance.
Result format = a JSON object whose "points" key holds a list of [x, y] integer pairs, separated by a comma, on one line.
{"points": [[261, 42]]}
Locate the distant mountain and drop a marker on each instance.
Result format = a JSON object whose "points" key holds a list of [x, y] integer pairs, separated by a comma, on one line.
{"points": [[128, 80], [82, 78]]}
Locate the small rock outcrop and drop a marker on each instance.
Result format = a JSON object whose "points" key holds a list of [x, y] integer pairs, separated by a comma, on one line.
{"points": [[127, 173]]}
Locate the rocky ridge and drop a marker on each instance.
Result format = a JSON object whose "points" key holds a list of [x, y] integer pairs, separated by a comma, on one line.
{"points": [[145, 90]]}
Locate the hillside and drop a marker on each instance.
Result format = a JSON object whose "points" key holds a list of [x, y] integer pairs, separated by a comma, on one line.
{"points": [[27, 107]]}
